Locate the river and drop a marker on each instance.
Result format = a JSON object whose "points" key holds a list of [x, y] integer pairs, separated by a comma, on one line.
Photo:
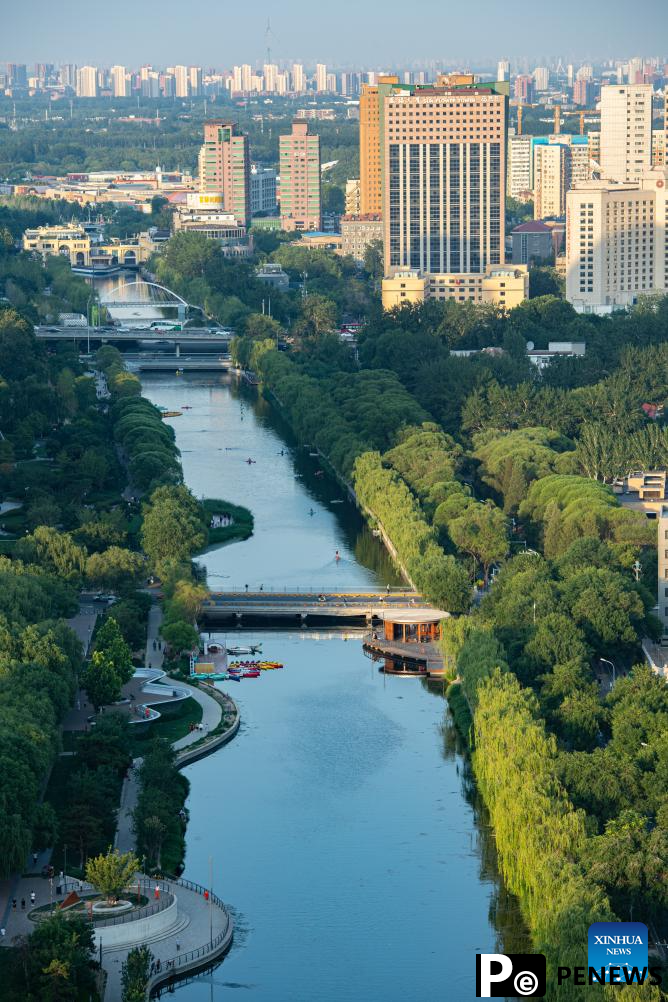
{"points": [[341, 823]]}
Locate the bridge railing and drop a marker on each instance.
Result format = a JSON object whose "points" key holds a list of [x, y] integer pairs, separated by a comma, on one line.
{"points": [[240, 591]]}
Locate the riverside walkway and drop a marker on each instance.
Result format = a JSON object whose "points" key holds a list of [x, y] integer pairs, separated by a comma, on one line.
{"points": [[301, 605]]}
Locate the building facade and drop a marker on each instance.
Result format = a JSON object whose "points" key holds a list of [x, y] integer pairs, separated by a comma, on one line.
{"points": [[616, 247], [520, 173], [224, 167], [263, 190], [353, 197], [205, 213], [532, 242], [371, 144], [444, 182], [299, 168], [552, 179], [358, 232], [626, 131]]}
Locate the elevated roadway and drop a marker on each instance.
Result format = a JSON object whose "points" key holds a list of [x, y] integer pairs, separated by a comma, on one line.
{"points": [[114, 335]]}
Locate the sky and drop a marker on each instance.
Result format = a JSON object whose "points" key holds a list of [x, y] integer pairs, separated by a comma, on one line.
{"points": [[374, 34]]}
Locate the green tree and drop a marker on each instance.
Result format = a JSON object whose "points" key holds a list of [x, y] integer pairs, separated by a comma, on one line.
{"points": [[180, 635], [111, 872], [114, 568], [482, 531], [101, 680], [135, 974]]}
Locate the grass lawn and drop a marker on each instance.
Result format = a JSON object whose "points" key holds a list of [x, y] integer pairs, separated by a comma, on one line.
{"points": [[170, 728]]}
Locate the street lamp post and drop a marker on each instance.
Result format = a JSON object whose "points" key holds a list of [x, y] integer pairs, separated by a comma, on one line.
{"points": [[211, 900], [611, 663]]}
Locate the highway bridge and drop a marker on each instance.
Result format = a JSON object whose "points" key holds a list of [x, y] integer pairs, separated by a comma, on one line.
{"points": [[300, 606]]}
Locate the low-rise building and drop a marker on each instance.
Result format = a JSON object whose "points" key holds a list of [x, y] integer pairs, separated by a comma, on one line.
{"points": [[203, 213], [555, 349], [69, 240], [358, 232], [505, 286], [273, 274], [532, 242]]}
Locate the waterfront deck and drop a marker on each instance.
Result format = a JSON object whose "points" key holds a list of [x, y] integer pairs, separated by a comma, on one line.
{"points": [[428, 653]]}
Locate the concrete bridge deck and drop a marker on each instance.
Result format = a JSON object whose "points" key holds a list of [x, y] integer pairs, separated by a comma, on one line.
{"points": [[362, 606]]}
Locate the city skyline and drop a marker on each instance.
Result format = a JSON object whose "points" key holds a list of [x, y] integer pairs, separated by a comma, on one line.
{"points": [[39, 31]]}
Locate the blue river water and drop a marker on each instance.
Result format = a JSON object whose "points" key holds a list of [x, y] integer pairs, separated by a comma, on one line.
{"points": [[341, 823]]}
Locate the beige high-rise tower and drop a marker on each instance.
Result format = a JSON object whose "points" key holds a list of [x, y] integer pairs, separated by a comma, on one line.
{"points": [[626, 131], [371, 98], [299, 166], [444, 184]]}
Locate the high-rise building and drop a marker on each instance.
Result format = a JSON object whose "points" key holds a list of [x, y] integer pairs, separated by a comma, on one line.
{"points": [[87, 81], [181, 81], [616, 242], [552, 179], [371, 98], [246, 78], [331, 83], [541, 76], [626, 131], [195, 80], [224, 167], [118, 81], [443, 185], [298, 79], [270, 73], [353, 197], [584, 93], [503, 70], [525, 90], [520, 171], [236, 80], [299, 169], [321, 78], [659, 148]]}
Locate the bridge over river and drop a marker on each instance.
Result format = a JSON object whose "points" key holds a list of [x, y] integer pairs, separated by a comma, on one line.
{"points": [[362, 606]]}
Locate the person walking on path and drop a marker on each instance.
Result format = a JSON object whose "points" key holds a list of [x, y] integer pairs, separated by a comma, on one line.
{"points": [[32, 897]]}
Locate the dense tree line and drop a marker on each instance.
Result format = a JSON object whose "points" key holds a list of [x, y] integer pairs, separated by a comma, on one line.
{"points": [[160, 818]]}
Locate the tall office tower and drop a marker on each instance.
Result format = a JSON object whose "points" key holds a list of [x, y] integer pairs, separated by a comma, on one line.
{"points": [[118, 81], [371, 192], [616, 242], [626, 131], [195, 80], [503, 70], [525, 89], [182, 81], [541, 76], [519, 174], [168, 85], [570, 74], [18, 74], [87, 81], [224, 167], [298, 79], [270, 72], [236, 80], [150, 87], [583, 93], [443, 184], [321, 78], [299, 169], [552, 179]]}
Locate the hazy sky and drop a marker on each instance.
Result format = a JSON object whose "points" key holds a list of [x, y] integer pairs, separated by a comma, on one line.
{"points": [[372, 33]]}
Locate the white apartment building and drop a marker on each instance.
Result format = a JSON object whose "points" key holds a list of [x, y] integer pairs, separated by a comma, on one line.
{"points": [[118, 81], [519, 182], [263, 189], [321, 78], [552, 179], [541, 76], [616, 247], [502, 70], [181, 81], [298, 79], [87, 81], [626, 131]]}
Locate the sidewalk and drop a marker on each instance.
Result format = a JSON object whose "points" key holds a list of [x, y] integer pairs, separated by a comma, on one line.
{"points": [[154, 656], [125, 836]]}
